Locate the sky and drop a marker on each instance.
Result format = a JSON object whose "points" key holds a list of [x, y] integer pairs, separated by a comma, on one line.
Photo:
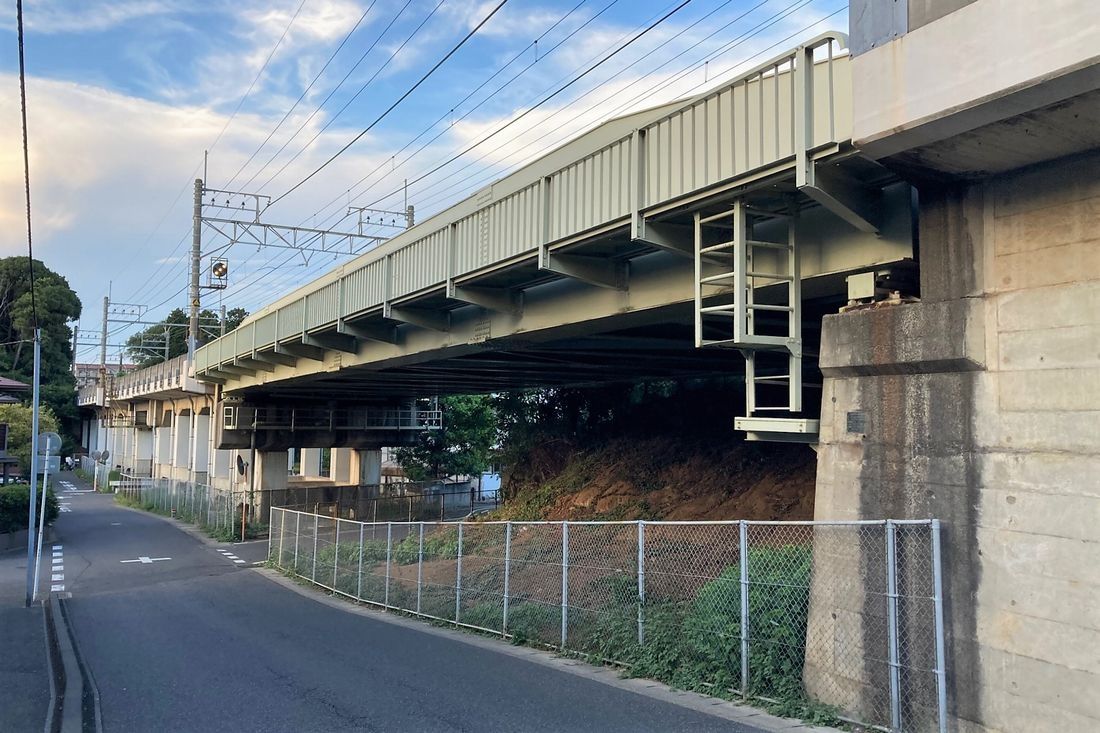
{"points": [[124, 97]]}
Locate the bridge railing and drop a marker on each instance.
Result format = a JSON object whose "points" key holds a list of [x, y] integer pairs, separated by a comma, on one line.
{"points": [[765, 119], [840, 618], [246, 417]]}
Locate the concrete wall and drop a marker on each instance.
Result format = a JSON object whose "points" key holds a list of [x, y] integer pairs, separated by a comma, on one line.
{"points": [[982, 408]]}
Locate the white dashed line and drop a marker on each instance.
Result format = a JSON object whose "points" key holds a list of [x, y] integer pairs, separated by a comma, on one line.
{"points": [[241, 562], [58, 571]]}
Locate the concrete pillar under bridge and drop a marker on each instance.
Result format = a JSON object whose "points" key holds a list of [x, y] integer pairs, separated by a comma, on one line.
{"points": [[270, 483], [979, 405], [310, 463], [356, 467]]}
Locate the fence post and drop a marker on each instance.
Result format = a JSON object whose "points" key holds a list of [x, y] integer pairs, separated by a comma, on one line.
{"points": [[641, 581], [359, 577], [316, 534], [419, 566], [297, 534], [743, 553], [389, 548], [941, 671], [458, 575], [336, 555], [507, 562], [282, 535], [270, 526], [564, 582], [892, 624]]}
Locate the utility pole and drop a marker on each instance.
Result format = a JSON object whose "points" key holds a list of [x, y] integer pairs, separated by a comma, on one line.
{"points": [[196, 264], [76, 337], [34, 466], [103, 337], [223, 321]]}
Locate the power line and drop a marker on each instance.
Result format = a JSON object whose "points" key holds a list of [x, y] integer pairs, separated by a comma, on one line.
{"points": [[217, 139], [26, 156], [759, 28], [335, 89], [400, 99], [305, 91], [545, 99]]}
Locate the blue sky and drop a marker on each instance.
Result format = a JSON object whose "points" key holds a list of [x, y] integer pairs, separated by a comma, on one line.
{"points": [[124, 96]]}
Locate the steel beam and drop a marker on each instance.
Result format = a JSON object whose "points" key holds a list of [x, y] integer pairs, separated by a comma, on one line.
{"points": [[502, 300], [301, 350], [422, 317], [599, 271], [336, 342], [276, 358], [257, 364], [382, 333]]}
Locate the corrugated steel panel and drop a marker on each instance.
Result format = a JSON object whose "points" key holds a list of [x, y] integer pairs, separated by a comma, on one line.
{"points": [[322, 305], [364, 288], [265, 331], [244, 338], [290, 319], [498, 231], [467, 243], [420, 265], [592, 191], [202, 355]]}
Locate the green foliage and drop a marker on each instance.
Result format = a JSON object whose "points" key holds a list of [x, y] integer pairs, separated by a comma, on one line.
{"points": [[15, 505], [57, 306], [464, 445], [147, 347], [18, 418], [437, 543], [696, 645]]}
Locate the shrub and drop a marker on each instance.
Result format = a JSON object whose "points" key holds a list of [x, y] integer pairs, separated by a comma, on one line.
{"points": [[14, 505]]}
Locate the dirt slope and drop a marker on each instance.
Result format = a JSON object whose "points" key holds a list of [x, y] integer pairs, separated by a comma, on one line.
{"points": [[663, 478]]}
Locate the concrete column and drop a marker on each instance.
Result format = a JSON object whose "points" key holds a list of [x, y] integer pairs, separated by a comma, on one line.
{"points": [[270, 488], [200, 453], [367, 466], [311, 462], [162, 451], [181, 451], [220, 467], [340, 466], [143, 452]]}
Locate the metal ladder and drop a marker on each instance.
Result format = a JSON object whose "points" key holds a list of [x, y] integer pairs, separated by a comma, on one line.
{"points": [[728, 274]]}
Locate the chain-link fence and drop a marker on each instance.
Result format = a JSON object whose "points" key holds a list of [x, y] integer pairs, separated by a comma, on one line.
{"points": [[844, 618], [223, 512]]}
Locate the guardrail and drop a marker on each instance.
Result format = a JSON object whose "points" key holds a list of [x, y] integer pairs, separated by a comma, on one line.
{"points": [[829, 617], [245, 417]]}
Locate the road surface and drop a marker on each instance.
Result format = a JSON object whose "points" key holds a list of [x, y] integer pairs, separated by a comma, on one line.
{"points": [[180, 636]]}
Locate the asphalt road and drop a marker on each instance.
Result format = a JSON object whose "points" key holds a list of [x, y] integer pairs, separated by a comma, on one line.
{"points": [[199, 642]]}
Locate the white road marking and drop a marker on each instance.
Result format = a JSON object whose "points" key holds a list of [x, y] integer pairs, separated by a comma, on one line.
{"points": [[58, 547], [57, 587], [239, 561], [58, 561], [116, 524], [147, 560], [58, 576]]}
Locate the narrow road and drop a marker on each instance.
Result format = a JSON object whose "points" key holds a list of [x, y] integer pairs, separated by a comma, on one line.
{"points": [[179, 637]]}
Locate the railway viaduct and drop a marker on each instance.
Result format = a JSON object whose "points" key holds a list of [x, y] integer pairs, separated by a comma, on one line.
{"points": [[894, 236]]}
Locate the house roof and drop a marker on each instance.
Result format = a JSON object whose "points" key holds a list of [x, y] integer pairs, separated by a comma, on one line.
{"points": [[12, 385]]}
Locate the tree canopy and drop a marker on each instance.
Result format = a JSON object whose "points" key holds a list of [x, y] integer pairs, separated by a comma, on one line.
{"points": [[18, 418], [147, 347], [57, 306], [464, 445]]}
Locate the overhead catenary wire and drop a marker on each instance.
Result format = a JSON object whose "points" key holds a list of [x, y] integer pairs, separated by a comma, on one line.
{"points": [[313, 81], [233, 116], [400, 99], [339, 85], [695, 64]]}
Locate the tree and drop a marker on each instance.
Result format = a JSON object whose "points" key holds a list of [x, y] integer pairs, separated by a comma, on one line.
{"points": [[18, 418], [57, 305], [464, 445], [147, 347]]}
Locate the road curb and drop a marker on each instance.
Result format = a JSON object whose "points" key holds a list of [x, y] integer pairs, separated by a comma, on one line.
{"points": [[74, 697], [724, 709]]}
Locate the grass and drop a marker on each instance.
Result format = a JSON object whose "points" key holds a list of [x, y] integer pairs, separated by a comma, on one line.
{"points": [[693, 644]]}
